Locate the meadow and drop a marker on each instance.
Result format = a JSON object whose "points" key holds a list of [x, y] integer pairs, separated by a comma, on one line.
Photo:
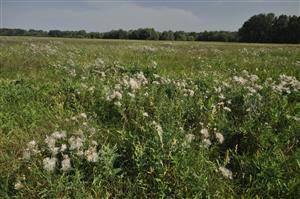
{"points": [[84, 118]]}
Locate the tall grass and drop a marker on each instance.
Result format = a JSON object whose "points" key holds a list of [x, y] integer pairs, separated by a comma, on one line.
{"points": [[132, 119]]}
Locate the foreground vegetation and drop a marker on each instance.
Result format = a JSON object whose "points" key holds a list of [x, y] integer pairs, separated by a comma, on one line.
{"points": [[129, 119]]}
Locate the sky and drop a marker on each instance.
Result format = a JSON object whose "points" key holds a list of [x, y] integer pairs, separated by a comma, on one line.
{"points": [[106, 15]]}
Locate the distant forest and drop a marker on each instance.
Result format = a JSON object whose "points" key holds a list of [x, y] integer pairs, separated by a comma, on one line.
{"points": [[261, 28]]}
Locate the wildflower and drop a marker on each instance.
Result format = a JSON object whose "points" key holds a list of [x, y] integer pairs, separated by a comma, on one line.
{"points": [[54, 150], [66, 163], [83, 85], [227, 109], [218, 89], [145, 114], [92, 131], [32, 144], [118, 95], [181, 129], [188, 140], [94, 143], [221, 96], [245, 72], [220, 103], [156, 76], [142, 79], [159, 131], [206, 142], [50, 141], [131, 95], [49, 164], [26, 154], [31, 149], [118, 104], [102, 74], [63, 147], [80, 152], [75, 143], [99, 62], [79, 132], [225, 172], [83, 115], [91, 154], [133, 84], [204, 132], [115, 95], [251, 90], [220, 138], [72, 72], [58, 135], [189, 137], [287, 85], [240, 80], [191, 92], [19, 185], [154, 64]]}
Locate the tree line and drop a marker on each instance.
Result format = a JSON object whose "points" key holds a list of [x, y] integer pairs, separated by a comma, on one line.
{"points": [[262, 28], [265, 28], [139, 34]]}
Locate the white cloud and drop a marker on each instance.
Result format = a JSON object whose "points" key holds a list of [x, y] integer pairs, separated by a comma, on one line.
{"points": [[126, 16]]}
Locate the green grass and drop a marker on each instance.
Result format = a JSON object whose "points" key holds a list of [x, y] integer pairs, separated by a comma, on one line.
{"points": [[151, 145]]}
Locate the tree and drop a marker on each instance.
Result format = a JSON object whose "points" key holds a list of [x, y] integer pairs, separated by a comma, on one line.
{"points": [[144, 34], [13, 32], [293, 30], [167, 35], [180, 36], [268, 28], [217, 36], [116, 34], [80, 34], [191, 36], [55, 33], [258, 28], [95, 35], [280, 28]]}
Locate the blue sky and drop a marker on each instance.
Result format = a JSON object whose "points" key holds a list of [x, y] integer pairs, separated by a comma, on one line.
{"points": [[105, 15]]}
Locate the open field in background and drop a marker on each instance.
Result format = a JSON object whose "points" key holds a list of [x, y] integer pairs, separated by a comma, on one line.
{"points": [[86, 118]]}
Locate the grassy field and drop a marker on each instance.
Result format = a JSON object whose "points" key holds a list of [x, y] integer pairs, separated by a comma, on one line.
{"points": [[144, 119]]}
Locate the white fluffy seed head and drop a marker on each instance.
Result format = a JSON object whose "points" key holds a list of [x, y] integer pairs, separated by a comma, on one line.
{"points": [[75, 143], [83, 115], [63, 147], [49, 164], [145, 114], [204, 132], [206, 142], [190, 137], [32, 149], [220, 138], [133, 84], [19, 185], [159, 131], [66, 163], [91, 154], [225, 172], [58, 135]]}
